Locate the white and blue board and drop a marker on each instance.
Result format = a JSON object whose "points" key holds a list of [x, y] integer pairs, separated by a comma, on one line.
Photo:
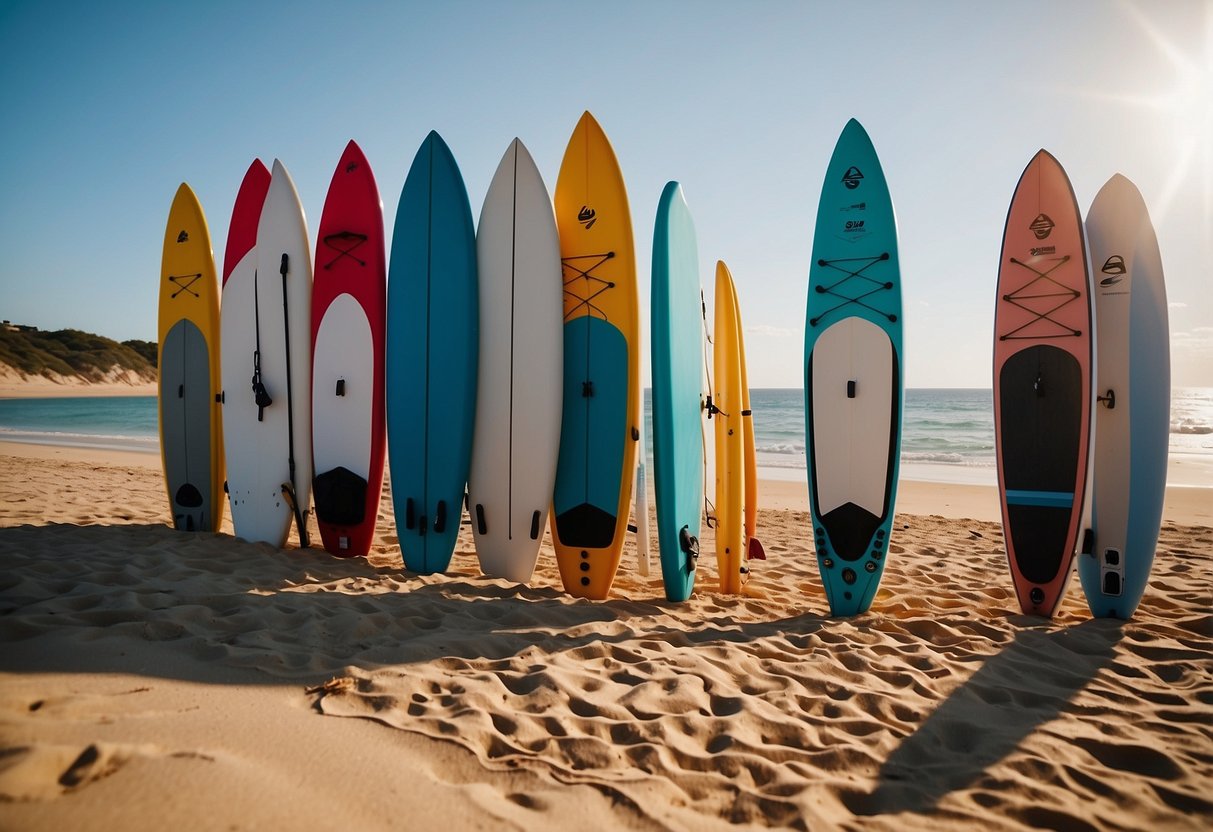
{"points": [[1133, 386]]}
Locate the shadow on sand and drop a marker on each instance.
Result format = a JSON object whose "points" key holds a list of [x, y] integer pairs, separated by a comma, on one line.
{"points": [[215, 607], [1027, 684]]}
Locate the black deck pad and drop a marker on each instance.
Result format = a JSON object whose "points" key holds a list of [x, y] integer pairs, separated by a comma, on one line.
{"points": [[1038, 535], [850, 528], [586, 526], [340, 496], [1041, 415]]}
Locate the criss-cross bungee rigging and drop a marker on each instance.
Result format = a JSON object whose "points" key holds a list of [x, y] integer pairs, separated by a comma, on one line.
{"points": [[842, 265], [179, 280], [1014, 298], [586, 301], [344, 243]]}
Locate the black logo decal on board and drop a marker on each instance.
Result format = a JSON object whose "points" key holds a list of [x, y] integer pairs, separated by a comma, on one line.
{"points": [[183, 236], [1041, 251], [854, 225], [1114, 268], [587, 217], [852, 177], [1042, 226]]}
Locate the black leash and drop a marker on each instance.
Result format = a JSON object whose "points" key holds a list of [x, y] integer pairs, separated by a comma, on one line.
{"points": [[288, 488], [260, 395]]}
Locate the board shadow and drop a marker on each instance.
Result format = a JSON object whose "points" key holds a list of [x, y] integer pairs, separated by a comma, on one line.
{"points": [[1028, 684]]}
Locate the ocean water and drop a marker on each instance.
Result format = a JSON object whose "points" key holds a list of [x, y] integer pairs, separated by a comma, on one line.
{"points": [[948, 434]]}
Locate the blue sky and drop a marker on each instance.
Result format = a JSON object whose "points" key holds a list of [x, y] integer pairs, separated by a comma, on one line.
{"points": [[109, 106]]}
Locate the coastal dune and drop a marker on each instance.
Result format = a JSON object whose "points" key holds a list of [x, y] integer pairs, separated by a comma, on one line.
{"points": [[151, 678]]}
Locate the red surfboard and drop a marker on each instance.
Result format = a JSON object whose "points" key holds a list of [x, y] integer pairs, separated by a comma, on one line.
{"points": [[1043, 384], [349, 303]]}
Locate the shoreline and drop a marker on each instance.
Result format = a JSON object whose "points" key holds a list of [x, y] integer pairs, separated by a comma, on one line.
{"points": [[41, 387], [1183, 504]]}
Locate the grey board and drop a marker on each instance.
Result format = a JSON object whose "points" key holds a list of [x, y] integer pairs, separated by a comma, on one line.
{"points": [[186, 406]]}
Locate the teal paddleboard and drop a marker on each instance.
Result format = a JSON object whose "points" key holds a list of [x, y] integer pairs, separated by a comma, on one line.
{"points": [[853, 373]]}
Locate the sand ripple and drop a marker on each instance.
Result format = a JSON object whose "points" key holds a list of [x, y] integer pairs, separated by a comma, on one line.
{"points": [[944, 707]]}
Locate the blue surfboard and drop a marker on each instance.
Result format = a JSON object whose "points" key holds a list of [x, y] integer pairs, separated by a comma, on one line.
{"points": [[677, 354], [854, 377], [432, 352]]}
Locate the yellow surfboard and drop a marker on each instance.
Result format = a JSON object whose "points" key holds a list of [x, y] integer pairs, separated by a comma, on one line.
{"points": [[600, 426], [753, 549], [730, 401], [191, 429]]}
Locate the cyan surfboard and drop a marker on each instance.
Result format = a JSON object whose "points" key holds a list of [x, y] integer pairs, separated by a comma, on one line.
{"points": [[677, 355], [854, 378], [432, 350]]}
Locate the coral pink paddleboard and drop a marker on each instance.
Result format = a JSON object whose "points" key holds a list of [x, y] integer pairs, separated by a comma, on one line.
{"points": [[1042, 384]]}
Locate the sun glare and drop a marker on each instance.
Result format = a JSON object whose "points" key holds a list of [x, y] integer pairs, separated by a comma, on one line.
{"points": [[1188, 107]]}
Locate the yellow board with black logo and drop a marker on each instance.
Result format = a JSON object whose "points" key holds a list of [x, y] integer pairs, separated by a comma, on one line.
{"points": [[191, 431], [600, 426]]}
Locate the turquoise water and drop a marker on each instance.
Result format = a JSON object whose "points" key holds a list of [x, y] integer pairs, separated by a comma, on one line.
{"points": [[118, 422], [949, 434]]}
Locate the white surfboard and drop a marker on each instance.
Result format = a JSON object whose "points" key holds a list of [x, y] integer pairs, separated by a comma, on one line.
{"points": [[518, 399], [266, 341]]}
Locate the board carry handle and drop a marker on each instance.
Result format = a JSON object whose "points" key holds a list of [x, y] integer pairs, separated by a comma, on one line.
{"points": [[535, 525], [410, 514], [480, 525], [340, 387]]}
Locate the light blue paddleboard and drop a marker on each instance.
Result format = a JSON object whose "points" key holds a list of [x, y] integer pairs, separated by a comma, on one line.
{"points": [[1133, 383], [432, 351], [854, 376], [677, 351]]}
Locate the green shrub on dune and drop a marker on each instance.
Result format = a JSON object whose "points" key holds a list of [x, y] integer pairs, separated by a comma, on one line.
{"points": [[70, 352]]}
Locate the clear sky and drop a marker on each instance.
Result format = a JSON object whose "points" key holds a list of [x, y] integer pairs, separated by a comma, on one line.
{"points": [[107, 107]]}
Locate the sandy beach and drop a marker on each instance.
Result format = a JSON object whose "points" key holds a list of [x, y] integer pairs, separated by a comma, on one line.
{"points": [[13, 385], [151, 679]]}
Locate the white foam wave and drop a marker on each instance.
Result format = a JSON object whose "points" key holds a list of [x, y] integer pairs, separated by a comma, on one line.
{"points": [[780, 448]]}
